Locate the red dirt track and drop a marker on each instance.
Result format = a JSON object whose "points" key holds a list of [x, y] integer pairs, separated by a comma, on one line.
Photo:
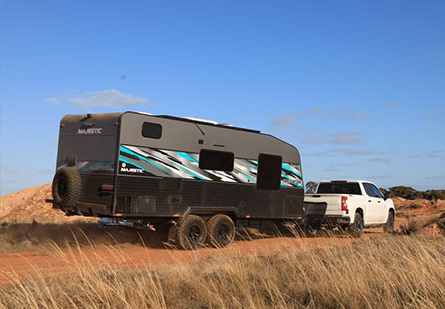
{"points": [[48, 262]]}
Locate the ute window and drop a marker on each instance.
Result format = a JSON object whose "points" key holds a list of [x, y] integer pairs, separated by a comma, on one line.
{"points": [[269, 172], [216, 160], [372, 190], [339, 188], [151, 130]]}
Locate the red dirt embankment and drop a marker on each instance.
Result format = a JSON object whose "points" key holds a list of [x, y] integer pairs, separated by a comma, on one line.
{"points": [[29, 204]]}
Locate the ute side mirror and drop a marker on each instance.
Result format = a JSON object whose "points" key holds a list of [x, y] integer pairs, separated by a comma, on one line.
{"points": [[387, 195]]}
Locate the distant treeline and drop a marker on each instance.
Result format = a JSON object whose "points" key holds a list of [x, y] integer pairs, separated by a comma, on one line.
{"points": [[412, 194]]}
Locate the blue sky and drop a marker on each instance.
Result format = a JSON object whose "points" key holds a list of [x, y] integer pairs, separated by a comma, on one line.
{"points": [[358, 88]]}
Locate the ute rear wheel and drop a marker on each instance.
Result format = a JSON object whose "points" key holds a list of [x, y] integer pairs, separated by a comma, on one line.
{"points": [[389, 225], [191, 232], [220, 231], [356, 229], [66, 188]]}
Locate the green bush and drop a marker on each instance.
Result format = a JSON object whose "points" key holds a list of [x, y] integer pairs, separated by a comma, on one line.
{"points": [[405, 192], [434, 195]]}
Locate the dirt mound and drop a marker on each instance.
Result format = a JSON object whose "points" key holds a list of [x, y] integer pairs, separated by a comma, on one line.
{"points": [[421, 204], [29, 205]]}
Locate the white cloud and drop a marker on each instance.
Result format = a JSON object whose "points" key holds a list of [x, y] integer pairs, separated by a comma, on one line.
{"points": [[361, 116], [344, 138], [287, 120], [435, 177], [380, 176], [352, 152], [54, 100], [106, 98], [436, 154], [348, 138], [342, 113], [343, 151], [380, 160], [390, 105], [428, 118]]}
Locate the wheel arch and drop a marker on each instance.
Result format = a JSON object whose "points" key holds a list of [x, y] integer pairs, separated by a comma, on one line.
{"points": [[360, 211], [393, 211], [209, 212]]}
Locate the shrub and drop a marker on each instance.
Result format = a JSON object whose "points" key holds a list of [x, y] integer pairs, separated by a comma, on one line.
{"points": [[311, 186], [405, 192], [410, 228]]}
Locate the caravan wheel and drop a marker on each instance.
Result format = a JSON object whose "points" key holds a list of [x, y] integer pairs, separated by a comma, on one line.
{"points": [[220, 231], [191, 232]]}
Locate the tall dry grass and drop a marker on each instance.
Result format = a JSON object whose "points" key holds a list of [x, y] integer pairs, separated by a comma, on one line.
{"points": [[380, 272]]}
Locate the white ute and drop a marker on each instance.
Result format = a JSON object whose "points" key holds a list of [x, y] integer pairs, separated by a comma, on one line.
{"points": [[353, 205]]}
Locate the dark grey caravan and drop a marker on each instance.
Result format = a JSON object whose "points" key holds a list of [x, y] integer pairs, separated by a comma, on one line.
{"points": [[201, 178]]}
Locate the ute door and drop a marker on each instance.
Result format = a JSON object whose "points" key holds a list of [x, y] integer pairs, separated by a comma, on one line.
{"points": [[381, 205], [375, 204]]}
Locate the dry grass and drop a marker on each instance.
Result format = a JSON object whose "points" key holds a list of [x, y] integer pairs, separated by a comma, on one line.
{"points": [[381, 272]]}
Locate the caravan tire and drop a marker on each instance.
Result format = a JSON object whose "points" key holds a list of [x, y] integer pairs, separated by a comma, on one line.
{"points": [[220, 231], [66, 188], [191, 232]]}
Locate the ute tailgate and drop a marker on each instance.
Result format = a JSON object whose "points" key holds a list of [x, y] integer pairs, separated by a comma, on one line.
{"points": [[333, 202]]}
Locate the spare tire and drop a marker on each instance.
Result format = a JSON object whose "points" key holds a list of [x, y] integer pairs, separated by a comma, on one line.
{"points": [[66, 188]]}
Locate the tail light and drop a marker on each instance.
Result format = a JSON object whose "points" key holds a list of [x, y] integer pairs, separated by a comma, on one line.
{"points": [[344, 205]]}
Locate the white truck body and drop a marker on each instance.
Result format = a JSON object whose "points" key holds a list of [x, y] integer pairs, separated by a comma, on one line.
{"points": [[356, 196]]}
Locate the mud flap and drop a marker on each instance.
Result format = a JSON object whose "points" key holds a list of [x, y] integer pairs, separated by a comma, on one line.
{"points": [[172, 233]]}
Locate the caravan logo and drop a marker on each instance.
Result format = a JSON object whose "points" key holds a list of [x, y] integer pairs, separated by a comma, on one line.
{"points": [[90, 131], [125, 169]]}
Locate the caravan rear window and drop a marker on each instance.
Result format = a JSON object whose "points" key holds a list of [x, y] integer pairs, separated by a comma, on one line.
{"points": [[216, 160], [151, 130]]}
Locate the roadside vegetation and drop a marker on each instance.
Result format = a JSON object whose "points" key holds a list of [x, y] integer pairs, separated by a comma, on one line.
{"points": [[386, 271]]}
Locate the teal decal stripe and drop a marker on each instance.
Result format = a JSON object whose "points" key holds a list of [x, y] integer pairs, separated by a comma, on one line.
{"points": [[287, 168], [253, 167], [89, 167], [123, 149], [189, 172], [187, 156]]}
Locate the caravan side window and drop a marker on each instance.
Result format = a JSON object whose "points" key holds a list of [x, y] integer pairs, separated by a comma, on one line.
{"points": [[151, 130], [269, 172], [216, 160]]}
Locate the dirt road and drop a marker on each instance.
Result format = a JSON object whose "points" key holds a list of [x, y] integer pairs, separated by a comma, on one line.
{"points": [[47, 262]]}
